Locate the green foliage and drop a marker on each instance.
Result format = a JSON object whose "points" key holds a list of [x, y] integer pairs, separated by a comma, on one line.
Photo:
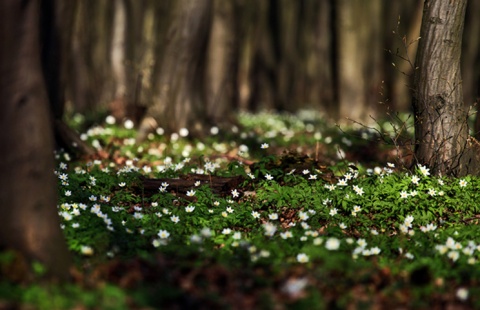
{"points": [[361, 226]]}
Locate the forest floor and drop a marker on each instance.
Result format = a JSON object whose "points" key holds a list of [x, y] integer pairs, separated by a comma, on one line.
{"points": [[278, 212]]}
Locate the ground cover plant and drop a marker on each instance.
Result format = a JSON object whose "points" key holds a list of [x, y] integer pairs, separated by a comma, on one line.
{"points": [[317, 218]]}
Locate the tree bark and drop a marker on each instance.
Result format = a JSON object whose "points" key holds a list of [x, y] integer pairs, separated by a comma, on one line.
{"points": [[181, 99], [441, 129], [358, 71], [29, 222], [221, 71]]}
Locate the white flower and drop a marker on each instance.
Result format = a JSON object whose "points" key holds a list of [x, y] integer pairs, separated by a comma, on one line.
{"points": [[463, 183], [67, 216], [333, 212], [264, 146], [175, 219], [195, 238], [273, 216], [270, 229], [303, 216], [332, 244], [286, 235], [264, 253], [342, 226], [294, 287], [312, 177], [163, 234], [432, 192], [229, 209], [403, 194], [362, 243], [86, 250], [408, 221], [268, 177], [191, 193], [428, 227], [357, 209], [306, 171], [206, 232], [302, 258], [342, 182], [226, 231], [317, 241], [255, 214], [95, 209], [453, 255], [189, 209], [237, 235], [415, 179], [409, 255], [462, 293], [330, 187], [358, 190], [424, 170], [235, 193]]}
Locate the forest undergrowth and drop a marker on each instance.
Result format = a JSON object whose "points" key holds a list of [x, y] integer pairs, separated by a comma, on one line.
{"points": [[280, 211]]}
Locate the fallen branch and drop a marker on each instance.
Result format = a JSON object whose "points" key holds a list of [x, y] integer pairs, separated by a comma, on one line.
{"points": [[219, 185]]}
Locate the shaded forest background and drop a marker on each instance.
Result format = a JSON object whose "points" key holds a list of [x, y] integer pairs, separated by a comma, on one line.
{"points": [[193, 63]]}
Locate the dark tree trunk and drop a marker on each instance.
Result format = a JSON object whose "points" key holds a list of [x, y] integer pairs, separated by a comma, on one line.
{"points": [[359, 76], [181, 99], [441, 129], [221, 70], [29, 222]]}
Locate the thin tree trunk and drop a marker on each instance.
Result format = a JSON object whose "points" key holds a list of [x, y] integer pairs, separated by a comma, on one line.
{"points": [[351, 57], [441, 130], [29, 221]]}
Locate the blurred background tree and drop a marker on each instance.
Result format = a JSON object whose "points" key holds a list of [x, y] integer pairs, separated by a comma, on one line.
{"points": [[192, 63]]}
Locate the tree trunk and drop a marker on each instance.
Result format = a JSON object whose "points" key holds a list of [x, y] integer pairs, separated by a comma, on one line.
{"points": [[221, 78], [181, 99], [91, 86], [471, 55], [441, 129], [352, 83], [29, 221]]}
